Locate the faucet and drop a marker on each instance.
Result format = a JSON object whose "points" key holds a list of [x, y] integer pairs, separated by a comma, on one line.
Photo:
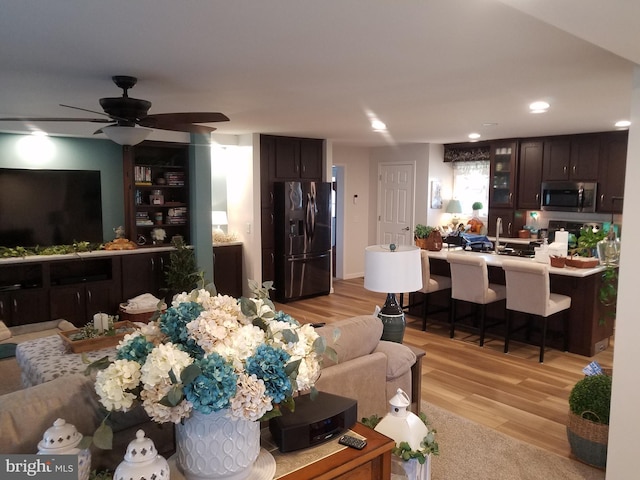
{"points": [[496, 246]]}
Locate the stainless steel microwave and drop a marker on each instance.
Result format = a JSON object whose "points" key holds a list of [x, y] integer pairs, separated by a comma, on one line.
{"points": [[569, 196]]}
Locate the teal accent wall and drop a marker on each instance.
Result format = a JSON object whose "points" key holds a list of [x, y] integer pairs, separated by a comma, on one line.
{"points": [[66, 153], [200, 201]]}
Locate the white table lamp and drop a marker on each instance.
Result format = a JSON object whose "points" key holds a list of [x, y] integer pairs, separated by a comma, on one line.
{"points": [[392, 269], [218, 218]]}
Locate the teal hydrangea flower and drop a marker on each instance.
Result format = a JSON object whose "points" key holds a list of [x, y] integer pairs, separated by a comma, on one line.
{"points": [[268, 364], [213, 389], [173, 323], [135, 349]]}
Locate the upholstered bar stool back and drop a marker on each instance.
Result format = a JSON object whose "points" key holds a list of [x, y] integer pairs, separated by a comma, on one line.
{"points": [[430, 284], [470, 283], [528, 291]]}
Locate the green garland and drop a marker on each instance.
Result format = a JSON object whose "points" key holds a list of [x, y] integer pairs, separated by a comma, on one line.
{"points": [[76, 247], [429, 446]]}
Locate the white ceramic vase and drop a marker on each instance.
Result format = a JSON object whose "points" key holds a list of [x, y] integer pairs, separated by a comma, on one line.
{"points": [[217, 446]]}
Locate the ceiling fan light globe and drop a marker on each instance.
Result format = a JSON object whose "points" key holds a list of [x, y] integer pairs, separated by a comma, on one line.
{"points": [[126, 135]]}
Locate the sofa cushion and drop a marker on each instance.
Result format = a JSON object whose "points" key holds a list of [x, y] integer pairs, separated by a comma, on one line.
{"points": [[358, 336], [400, 358]]}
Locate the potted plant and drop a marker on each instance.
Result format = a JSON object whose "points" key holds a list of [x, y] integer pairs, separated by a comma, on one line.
{"points": [[428, 238], [181, 274], [588, 423]]}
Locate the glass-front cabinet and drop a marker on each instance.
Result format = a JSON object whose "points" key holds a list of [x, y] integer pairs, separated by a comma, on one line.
{"points": [[503, 175]]}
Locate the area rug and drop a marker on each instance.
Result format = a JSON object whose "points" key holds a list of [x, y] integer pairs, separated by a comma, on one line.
{"points": [[7, 350], [470, 450]]}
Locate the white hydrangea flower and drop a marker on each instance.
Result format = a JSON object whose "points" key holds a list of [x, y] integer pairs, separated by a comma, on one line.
{"points": [[151, 396], [250, 401], [162, 359], [113, 384], [308, 373], [241, 344]]}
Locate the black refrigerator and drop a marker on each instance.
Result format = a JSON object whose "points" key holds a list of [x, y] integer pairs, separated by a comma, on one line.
{"points": [[302, 221]]}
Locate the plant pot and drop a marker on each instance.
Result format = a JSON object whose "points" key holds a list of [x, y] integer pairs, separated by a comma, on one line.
{"points": [[588, 440], [434, 241], [422, 243]]}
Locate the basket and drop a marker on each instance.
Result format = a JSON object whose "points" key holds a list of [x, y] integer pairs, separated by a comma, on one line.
{"points": [[582, 262], [96, 343], [557, 261], [143, 317], [434, 241], [588, 440], [422, 243]]}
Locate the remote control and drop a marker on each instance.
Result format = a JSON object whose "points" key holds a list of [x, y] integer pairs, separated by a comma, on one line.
{"points": [[352, 442]]}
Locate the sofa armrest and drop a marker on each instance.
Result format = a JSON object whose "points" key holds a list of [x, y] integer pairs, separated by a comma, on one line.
{"points": [[400, 358]]}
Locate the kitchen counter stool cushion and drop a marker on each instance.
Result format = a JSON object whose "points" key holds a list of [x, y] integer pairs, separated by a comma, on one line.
{"points": [[430, 284], [528, 291], [470, 283]]}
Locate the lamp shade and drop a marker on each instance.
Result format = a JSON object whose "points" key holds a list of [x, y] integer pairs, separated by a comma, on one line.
{"points": [[454, 206], [218, 217], [126, 135], [392, 271]]}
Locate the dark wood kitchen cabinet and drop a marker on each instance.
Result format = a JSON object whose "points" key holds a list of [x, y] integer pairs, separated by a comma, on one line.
{"points": [[572, 157], [530, 174], [227, 269], [78, 303], [79, 288], [144, 273], [283, 159], [612, 166], [503, 174]]}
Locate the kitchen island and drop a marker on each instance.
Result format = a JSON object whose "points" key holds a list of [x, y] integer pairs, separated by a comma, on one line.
{"points": [[589, 332]]}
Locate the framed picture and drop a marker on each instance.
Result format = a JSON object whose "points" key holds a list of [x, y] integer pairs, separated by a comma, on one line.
{"points": [[436, 194]]}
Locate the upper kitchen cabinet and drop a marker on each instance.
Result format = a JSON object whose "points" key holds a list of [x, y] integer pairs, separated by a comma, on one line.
{"points": [[572, 157], [613, 162], [298, 158], [530, 174], [503, 175], [156, 189]]}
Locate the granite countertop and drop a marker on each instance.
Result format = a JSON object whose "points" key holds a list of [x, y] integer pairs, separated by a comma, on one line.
{"points": [[496, 261]]}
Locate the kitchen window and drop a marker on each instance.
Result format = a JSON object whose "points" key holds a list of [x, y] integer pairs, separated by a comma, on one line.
{"points": [[471, 184]]}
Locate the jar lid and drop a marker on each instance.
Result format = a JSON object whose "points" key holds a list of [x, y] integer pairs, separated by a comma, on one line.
{"points": [[60, 437], [142, 449]]}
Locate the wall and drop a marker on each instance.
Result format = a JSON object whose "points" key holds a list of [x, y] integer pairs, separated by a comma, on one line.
{"points": [[355, 216], [622, 459], [443, 172], [68, 153]]}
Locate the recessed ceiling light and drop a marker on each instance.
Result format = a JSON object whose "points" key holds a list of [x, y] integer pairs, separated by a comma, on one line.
{"points": [[378, 126], [489, 124], [474, 136], [538, 107], [623, 123]]}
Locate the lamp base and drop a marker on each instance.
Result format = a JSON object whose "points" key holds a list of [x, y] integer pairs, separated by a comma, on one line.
{"points": [[393, 321]]}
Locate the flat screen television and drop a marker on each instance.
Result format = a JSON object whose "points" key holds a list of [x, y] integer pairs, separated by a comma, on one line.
{"points": [[49, 207]]}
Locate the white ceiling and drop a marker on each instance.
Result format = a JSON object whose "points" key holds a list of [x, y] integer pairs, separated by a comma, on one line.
{"points": [[432, 70]]}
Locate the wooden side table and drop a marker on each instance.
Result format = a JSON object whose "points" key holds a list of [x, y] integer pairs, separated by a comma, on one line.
{"points": [[373, 462], [416, 379]]}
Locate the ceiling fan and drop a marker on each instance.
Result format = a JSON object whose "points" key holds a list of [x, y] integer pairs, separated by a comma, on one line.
{"points": [[132, 122]]}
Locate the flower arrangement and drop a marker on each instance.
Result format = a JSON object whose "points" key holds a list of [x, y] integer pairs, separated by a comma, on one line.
{"points": [[158, 235], [210, 353]]}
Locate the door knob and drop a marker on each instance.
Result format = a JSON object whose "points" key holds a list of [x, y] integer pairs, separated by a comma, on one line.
{"points": [[406, 229]]}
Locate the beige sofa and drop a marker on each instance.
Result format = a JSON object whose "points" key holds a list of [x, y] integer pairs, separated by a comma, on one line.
{"points": [[368, 370]]}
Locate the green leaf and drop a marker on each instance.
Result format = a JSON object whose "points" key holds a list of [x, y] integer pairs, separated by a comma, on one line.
{"points": [[319, 345], [332, 354], [290, 336], [292, 367], [248, 307], [211, 288], [190, 373], [99, 364], [175, 395], [172, 376], [103, 437]]}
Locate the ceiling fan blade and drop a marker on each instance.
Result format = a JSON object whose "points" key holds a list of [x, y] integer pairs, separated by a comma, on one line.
{"points": [[187, 117], [53, 119], [84, 110], [180, 127], [100, 129]]}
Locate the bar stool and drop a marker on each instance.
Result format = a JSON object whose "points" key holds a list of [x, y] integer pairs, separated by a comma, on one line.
{"points": [[470, 283], [430, 284], [528, 291]]}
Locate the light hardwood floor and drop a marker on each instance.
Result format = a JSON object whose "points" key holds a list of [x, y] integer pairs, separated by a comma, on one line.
{"points": [[511, 393]]}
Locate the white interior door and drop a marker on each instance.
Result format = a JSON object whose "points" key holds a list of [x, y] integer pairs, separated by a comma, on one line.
{"points": [[396, 186]]}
